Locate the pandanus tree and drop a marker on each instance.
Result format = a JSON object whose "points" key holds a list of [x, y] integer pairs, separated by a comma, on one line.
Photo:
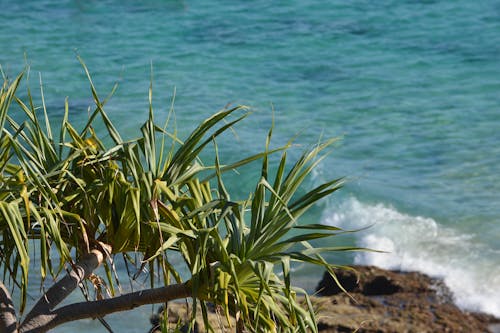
{"points": [[77, 202]]}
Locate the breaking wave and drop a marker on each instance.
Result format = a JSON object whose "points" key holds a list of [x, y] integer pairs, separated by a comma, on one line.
{"points": [[416, 243]]}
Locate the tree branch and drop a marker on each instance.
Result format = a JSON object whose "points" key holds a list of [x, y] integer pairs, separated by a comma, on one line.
{"points": [[8, 319], [64, 287], [100, 308]]}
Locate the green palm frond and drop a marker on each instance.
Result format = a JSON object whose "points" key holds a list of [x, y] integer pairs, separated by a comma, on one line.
{"points": [[138, 197]]}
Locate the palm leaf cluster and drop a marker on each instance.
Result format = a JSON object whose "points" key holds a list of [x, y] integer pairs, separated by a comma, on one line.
{"points": [[152, 195]]}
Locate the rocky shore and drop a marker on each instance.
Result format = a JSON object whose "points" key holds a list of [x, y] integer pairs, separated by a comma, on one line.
{"points": [[382, 301], [389, 301]]}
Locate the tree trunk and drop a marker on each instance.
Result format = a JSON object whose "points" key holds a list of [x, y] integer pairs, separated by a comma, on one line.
{"points": [[100, 308], [8, 319], [63, 288], [43, 316]]}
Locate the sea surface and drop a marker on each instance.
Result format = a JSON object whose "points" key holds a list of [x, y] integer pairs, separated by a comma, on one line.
{"points": [[412, 88]]}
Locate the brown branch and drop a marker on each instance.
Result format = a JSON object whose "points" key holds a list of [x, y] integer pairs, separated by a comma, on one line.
{"points": [[8, 319], [64, 287], [100, 308]]}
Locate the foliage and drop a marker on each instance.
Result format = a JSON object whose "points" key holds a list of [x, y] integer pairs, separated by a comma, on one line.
{"points": [[152, 195]]}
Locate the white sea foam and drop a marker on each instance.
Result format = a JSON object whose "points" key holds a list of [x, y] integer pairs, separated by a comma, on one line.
{"points": [[469, 268]]}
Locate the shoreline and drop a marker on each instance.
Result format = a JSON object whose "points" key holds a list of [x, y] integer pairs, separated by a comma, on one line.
{"points": [[378, 300], [394, 301]]}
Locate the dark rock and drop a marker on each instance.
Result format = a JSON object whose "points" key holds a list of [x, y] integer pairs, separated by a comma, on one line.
{"points": [[328, 286], [380, 285], [372, 280]]}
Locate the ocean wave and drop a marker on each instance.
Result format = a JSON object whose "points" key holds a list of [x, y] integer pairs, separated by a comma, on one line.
{"points": [[415, 243]]}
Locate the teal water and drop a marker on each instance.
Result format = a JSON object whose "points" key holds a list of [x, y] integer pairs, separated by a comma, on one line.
{"points": [[412, 86]]}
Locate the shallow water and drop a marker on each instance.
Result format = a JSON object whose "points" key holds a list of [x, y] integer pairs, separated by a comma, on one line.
{"points": [[412, 86]]}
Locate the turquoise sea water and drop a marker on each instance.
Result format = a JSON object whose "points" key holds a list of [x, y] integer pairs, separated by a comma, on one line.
{"points": [[412, 86]]}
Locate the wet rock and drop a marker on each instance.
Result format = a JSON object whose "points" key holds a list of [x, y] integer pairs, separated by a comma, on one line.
{"points": [[347, 279], [380, 285], [389, 301], [370, 280]]}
